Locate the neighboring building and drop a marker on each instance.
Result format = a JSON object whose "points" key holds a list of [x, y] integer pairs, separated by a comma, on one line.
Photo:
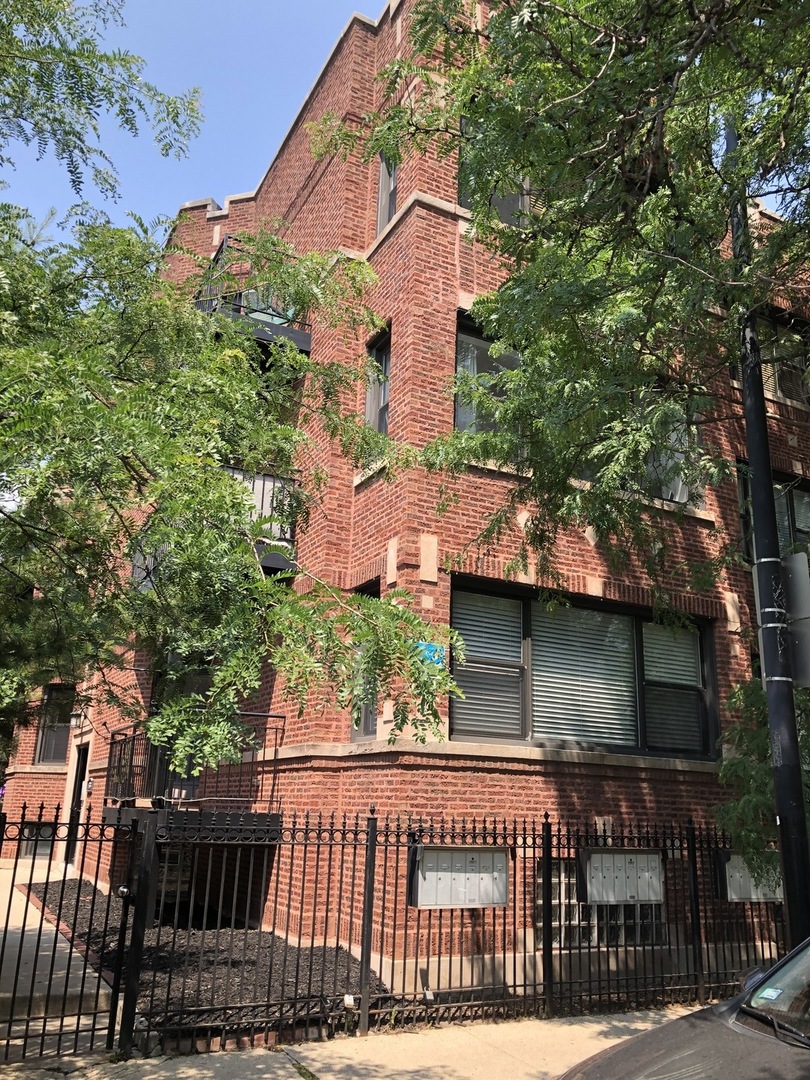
{"points": [[593, 711]]}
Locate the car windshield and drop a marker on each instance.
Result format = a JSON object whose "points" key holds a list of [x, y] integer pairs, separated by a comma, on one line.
{"points": [[785, 994]]}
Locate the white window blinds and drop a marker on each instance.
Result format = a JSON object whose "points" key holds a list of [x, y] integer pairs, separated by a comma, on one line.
{"points": [[492, 678], [583, 676], [673, 698], [597, 677]]}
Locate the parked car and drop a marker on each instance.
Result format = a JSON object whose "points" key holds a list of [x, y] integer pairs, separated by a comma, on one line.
{"points": [[763, 1032]]}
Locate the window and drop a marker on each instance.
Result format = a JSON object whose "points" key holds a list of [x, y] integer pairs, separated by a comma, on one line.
{"points": [[792, 502], [377, 388], [54, 724], [367, 727], [512, 207], [673, 426], [792, 516], [783, 346], [578, 675], [578, 920], [387, 192], [473, 358], [663, 479]]}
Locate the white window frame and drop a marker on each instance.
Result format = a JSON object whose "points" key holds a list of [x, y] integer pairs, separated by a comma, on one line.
{"points": [[387, 192]]}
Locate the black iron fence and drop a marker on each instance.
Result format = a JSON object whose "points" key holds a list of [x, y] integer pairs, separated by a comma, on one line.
{"points": [[63, 938], [200, 930]]}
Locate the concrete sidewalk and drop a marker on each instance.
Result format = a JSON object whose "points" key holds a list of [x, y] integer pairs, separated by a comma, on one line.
{"points": [[509, 1050], [49, 992]]}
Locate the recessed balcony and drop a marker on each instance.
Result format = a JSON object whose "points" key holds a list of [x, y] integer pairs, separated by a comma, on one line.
{"points": [[221, 293]]}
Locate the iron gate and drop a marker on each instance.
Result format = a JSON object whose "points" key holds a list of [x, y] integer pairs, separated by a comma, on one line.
{"points": [[200, 930], [64, 934]]}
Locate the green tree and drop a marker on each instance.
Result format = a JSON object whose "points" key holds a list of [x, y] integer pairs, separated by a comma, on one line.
{"points": [[747, 774], [128, 422], [621, 298], [57, 82], [122, 410]]}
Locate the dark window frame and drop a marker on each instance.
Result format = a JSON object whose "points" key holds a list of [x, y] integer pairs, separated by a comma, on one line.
{"points": [[378, 386], [776, 371], [53, 739], [707, 704], [466, 328], [784, 486]]}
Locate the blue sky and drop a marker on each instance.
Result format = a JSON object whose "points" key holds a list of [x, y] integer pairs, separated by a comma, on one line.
{"points": [[254, 63]]}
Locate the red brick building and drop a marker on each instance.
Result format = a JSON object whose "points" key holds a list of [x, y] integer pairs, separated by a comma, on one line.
{"points": [[590, 712]]}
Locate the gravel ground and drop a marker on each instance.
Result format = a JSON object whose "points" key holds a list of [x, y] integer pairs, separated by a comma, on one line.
{"points": [[199, 966]]}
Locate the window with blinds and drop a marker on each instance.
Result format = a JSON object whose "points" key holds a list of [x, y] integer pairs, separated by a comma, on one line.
{"points": [[492, 677], [783, 345], [783, 349], [792, 505], [576, 674], [792, 516]]}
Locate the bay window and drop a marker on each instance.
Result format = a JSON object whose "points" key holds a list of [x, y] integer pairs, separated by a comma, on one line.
{"points": [[593, 677]]}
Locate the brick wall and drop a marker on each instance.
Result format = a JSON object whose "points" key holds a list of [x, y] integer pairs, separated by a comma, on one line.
{"points": [[428, 269]]}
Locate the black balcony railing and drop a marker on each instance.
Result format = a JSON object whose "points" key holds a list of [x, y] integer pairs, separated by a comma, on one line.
{"points": [[276, 501], [222, 293], [139, 772]]}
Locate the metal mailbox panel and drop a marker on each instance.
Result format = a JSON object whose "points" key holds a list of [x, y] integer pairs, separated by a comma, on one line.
{"points": [[461, 878], [429, 877], [622, 877], [646, 879], [741, 885]]}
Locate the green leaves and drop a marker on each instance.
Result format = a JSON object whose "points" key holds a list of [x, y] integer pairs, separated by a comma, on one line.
{"points": [[746, 773], [57, 81], [608, 117], [131, 425]]}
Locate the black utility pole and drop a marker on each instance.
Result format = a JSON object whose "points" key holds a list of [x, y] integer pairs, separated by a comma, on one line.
{"points": [[772, 614]]}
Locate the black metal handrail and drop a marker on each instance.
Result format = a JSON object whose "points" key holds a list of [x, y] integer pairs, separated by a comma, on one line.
{"points": [[139, 770]]}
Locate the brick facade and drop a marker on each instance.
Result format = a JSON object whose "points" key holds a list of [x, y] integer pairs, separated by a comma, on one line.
{"points": [[374, 528]]}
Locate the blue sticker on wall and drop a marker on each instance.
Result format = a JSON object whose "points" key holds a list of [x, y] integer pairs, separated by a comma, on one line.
{"points": [[433, 654]]}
